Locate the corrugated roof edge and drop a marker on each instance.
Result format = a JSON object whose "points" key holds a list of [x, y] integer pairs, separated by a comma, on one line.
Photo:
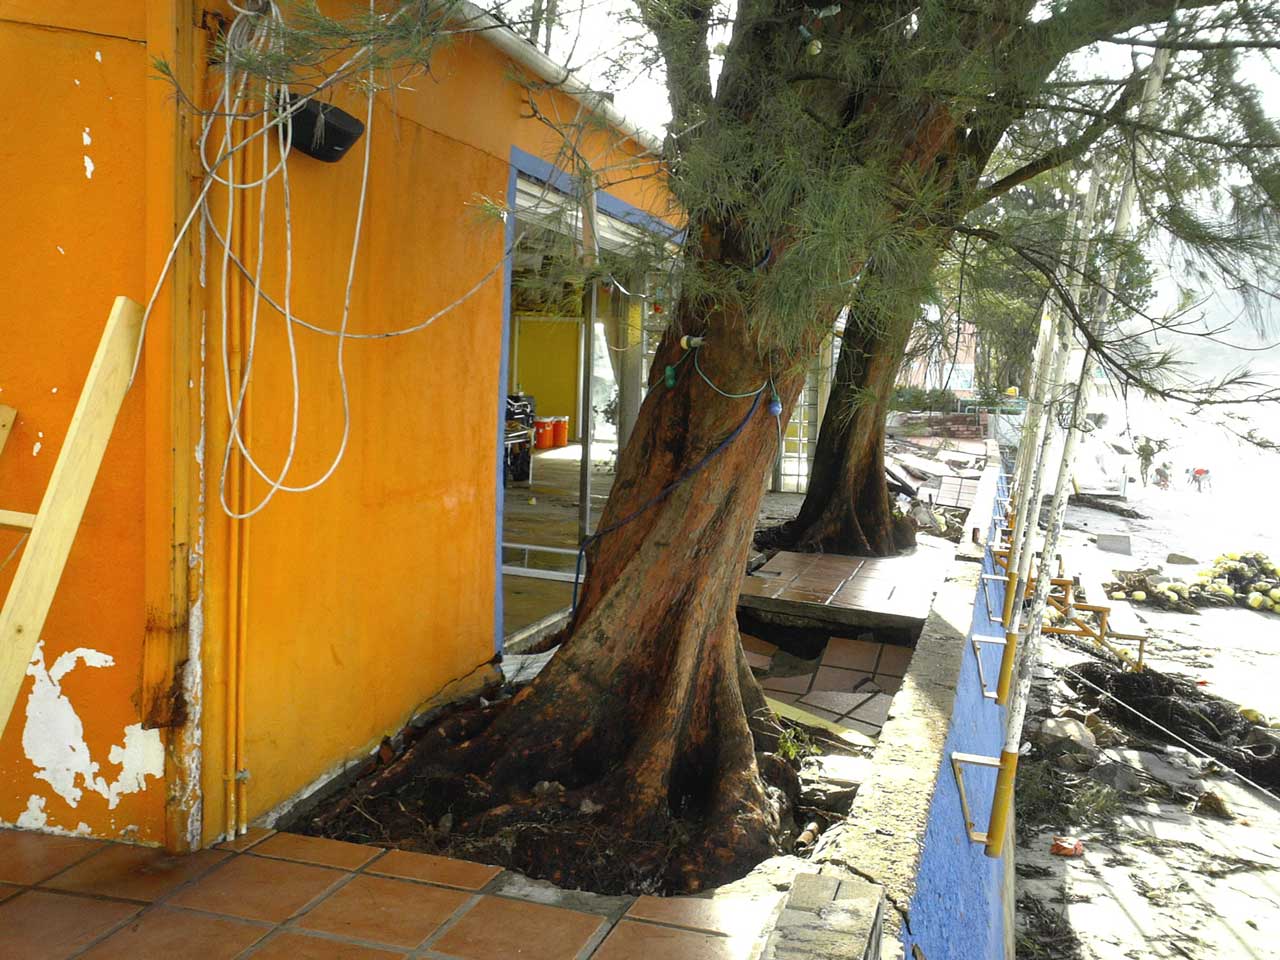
{"points": [[527, 55]]}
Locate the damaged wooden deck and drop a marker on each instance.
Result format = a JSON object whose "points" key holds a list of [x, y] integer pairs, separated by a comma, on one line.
{"points": [[826, 589]]}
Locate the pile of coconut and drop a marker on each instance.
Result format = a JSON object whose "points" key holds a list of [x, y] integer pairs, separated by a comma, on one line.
{"points": [[1235, 579]]}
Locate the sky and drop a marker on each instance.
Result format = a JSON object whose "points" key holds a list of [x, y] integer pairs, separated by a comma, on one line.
{"points": [[592, 33]]}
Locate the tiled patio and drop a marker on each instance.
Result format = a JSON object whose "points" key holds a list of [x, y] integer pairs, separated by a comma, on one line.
{"points": [[850, 591], [852, 685], [277, 896]]}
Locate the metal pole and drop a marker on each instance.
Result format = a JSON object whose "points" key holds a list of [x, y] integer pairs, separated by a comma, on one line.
{"points": [[1027, 524], [1022, 471], [590, 251], [1002, 802]]}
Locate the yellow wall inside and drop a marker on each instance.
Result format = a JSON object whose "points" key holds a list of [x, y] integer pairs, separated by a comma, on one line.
{"points": [[546, 362], [71, 242]]}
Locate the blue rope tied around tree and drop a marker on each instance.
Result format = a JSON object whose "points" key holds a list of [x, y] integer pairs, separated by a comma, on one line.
{"points": [[661, 494]]}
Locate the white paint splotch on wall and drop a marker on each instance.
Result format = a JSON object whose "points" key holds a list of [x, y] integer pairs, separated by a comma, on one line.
{"points": [[141, 756], [34, 817], [53, 738]]}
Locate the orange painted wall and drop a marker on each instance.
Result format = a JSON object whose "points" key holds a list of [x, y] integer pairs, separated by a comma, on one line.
{"points": [[371, 593], [357, 601], [71, 242]]}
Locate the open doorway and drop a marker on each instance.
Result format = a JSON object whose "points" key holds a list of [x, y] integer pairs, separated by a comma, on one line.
{"points": [[549, 348], [566, 339]]}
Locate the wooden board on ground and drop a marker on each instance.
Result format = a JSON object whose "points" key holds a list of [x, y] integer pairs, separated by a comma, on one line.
{"points": [[54, 530], [800, 715], [7, 416], [957, 492], [827, 589]]}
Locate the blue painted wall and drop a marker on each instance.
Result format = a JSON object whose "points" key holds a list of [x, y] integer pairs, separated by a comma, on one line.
{"points": [[957, 912]]}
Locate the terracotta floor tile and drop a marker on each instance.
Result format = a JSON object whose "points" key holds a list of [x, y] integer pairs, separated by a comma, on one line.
{"points": [[817, 581], [443, 870], [781, 696], [894, 660], [889, 685], [758, 661], [631, 940], [39, 925], [838, 678], [256, 888], [8, 890], [134, 873], [851, 654], [496, 928], [735, 916], [834, 701], [317, 850], [299, 946], [874, 710], [164, 934], [761, 587], [254, 836], [27, 857], [756, 645], [798, 684], [394, 912]]}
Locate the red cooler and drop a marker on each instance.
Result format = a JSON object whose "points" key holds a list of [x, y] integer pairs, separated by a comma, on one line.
{"points": [[544, 432]]}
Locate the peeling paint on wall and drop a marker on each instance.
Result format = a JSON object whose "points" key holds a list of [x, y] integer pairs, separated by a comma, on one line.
{"points": [[33, 818], [53, 738], [141, 756]]}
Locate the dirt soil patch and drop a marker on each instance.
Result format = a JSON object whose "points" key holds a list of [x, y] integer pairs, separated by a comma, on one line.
{"points": [[402, 800]]}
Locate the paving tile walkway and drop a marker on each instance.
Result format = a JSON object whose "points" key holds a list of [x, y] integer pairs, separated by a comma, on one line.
{"points": [[279, 896], [852, 684]]}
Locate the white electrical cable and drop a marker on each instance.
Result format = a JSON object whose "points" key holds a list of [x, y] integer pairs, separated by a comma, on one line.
{"points": [[255, 29]]}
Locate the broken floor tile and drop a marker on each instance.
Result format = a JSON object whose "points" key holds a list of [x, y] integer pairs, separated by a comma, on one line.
{"points": [[851, 654], [894, 660], [798, 684], [838, 678], [874, 710], [756, 645], [833, 700]]}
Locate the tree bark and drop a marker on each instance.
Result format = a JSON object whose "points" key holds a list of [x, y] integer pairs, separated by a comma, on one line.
{"points": [[846, 507], [641, 727], [644, 711]]}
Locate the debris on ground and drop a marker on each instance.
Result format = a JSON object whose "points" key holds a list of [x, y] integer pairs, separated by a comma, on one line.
{"points": [[1210, 804], [1097, 503], [1247, 580], [1067, 847], [1166, 704]]}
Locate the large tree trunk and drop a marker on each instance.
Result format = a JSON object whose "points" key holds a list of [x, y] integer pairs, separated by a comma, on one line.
{"points": [[636, 748], [645, 710], [640, 725], [846, 507]]}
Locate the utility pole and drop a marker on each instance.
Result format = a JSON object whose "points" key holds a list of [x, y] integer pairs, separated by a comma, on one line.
{"points": [[1003, 800]]}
